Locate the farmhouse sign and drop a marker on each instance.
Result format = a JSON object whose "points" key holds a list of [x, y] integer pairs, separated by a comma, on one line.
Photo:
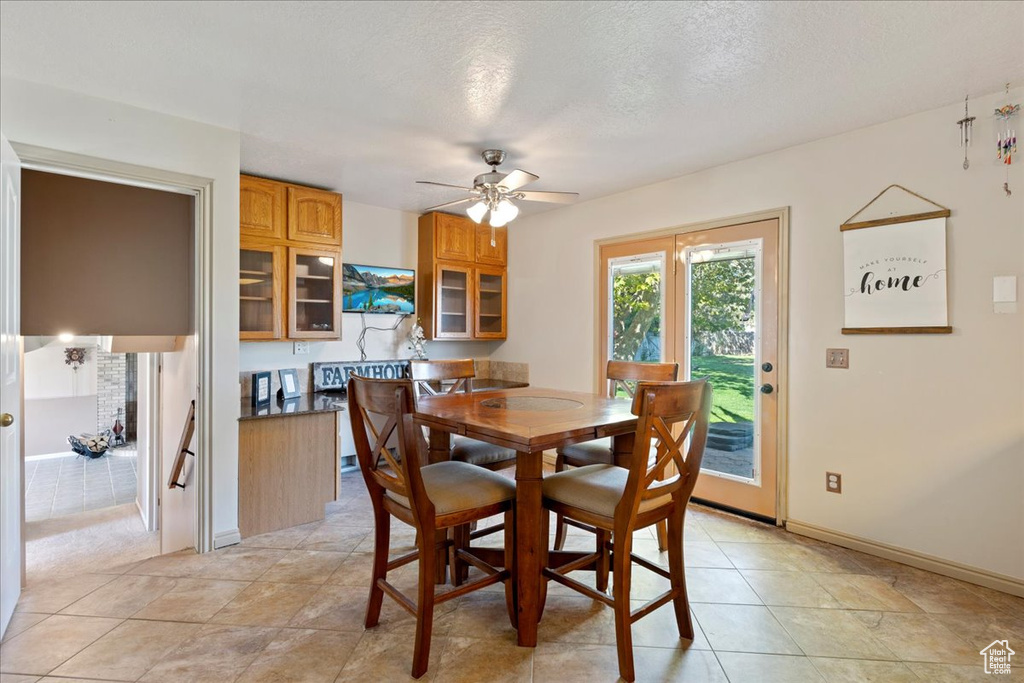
{"points": [[894, 279], [334, 376]]}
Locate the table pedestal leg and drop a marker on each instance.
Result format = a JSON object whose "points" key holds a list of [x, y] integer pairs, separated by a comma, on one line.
{"points": [[529, 555]]}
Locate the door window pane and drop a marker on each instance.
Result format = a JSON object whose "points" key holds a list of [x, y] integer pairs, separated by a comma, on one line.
{"points": [[723, 341], [637, 303]]}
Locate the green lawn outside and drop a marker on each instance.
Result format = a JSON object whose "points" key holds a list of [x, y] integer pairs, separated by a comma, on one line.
{"points": [[732, 378]]}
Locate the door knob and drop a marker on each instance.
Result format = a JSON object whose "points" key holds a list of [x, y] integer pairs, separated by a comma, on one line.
{"points": [[767, 367], [6, 420], [767, 388]]}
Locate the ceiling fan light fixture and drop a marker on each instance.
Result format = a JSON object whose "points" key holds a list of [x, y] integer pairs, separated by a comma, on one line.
{"points": [[497, 221], [477, 211], [507, 211]]}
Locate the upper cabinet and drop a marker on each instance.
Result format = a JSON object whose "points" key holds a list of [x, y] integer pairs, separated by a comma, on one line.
{"points": [[453, 237], [463, 278], [314, 216], [488, 253], [290, 261], [262, 207]]}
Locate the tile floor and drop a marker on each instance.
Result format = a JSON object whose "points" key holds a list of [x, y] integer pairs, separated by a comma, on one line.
{"points": [[69, 484], [288, 606]]}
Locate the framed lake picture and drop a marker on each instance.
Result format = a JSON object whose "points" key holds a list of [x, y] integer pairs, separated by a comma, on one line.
{"points": [[378, 289], [894, 277]]}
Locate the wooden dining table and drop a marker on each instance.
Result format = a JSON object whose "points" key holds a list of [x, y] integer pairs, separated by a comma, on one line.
{"points": [[529, 420]]}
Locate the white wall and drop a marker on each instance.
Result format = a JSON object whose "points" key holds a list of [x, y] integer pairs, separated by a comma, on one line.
{"points": [[48, 376], [59, 401], [926, 430], [58, 119], [377, 237]]}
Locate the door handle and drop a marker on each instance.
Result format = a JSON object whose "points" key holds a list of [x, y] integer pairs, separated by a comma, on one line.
{"points": [[767, 367], [767, 388], [6, 420]]}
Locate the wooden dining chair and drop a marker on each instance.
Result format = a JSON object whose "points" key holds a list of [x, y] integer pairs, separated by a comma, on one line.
{"points": [[431, 498], [428, 377], [620, 501], [622, 375]]}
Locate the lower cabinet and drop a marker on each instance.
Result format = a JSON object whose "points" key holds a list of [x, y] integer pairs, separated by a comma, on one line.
{"points": [[287, 470]]}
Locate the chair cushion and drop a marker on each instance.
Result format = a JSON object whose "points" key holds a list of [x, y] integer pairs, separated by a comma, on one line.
{"points": [[594, 488], [596, 452], [476, 452], [456, 486]]}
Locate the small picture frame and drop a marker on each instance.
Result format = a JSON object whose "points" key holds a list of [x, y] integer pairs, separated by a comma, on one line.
{"points": [[289, 383], [260, 388]]}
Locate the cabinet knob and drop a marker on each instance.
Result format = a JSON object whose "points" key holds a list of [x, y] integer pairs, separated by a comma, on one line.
{"points": [[6, 420]]}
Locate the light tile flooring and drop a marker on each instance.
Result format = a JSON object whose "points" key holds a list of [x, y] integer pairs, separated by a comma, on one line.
{"points": [[288, 606], [69, 484]]}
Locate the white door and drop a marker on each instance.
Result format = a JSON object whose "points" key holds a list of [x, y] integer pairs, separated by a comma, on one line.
{"points": [[177, 505], [10, 384]]}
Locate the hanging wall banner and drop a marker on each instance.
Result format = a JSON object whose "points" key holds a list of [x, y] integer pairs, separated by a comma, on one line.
{"points": [[895, 277]]}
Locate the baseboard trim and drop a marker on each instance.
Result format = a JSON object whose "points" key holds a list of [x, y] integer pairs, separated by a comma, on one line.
{"points": [[222, 539], [975, 575]]}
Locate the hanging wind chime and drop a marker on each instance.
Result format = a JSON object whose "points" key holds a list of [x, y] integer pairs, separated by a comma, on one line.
{"points": [[966, 125], [1006, 136]]}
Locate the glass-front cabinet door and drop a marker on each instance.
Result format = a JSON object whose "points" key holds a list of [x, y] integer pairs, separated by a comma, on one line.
{"points": [[490, 303], [260, 274], [314, 294], [454, 315]]}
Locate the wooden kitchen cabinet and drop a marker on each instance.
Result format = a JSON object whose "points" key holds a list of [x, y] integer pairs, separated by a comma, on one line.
{"points": [[463, 279], [260, 275], [314, 293], [289, 261], [314, 216], [261, 208]]}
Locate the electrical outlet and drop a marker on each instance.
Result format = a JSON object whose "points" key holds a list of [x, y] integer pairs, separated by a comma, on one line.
{"points": [[833, 482], [300, 348], [837, 358]]}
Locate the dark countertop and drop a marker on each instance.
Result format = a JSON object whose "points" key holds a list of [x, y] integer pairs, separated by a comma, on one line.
{"points": [[303, 405], [332, 402]]}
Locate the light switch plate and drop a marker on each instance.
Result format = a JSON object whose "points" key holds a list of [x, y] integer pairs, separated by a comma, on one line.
{"points": [[837, 358], [1004, 289]]}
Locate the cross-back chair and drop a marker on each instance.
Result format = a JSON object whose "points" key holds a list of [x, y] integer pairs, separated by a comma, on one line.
{"points": [[429, 378], [431, 498], [620, 501], [622, 376]]}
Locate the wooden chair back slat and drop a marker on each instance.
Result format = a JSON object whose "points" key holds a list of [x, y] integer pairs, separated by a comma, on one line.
{"points": [[626, 374], [370, 401], [427, 375], [661, 407]]}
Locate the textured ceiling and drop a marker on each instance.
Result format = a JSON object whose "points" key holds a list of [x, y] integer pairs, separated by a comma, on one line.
{"points": [[595, 97]]}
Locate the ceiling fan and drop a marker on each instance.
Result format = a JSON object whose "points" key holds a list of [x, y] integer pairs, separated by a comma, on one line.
{"points": [[494, 192]]}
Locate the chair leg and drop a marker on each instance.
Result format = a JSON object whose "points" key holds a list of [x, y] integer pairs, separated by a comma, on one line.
{"points": [[678, 573], [425, 603], [662, 530], [602, 560], [560, 526], [545, 559], [510, 565], [622, 566], [381, 546], [460, 541]]}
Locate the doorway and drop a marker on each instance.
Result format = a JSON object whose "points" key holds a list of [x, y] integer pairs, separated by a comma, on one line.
{"points": [[711, 298]]}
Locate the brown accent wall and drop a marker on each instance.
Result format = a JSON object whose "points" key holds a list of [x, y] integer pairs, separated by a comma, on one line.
{"points": [[103, 258]]}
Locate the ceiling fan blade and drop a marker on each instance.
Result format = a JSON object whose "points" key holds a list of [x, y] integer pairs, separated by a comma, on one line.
{"points": [[447, 204], [517, 178], [555, 197], [457, 187]]}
